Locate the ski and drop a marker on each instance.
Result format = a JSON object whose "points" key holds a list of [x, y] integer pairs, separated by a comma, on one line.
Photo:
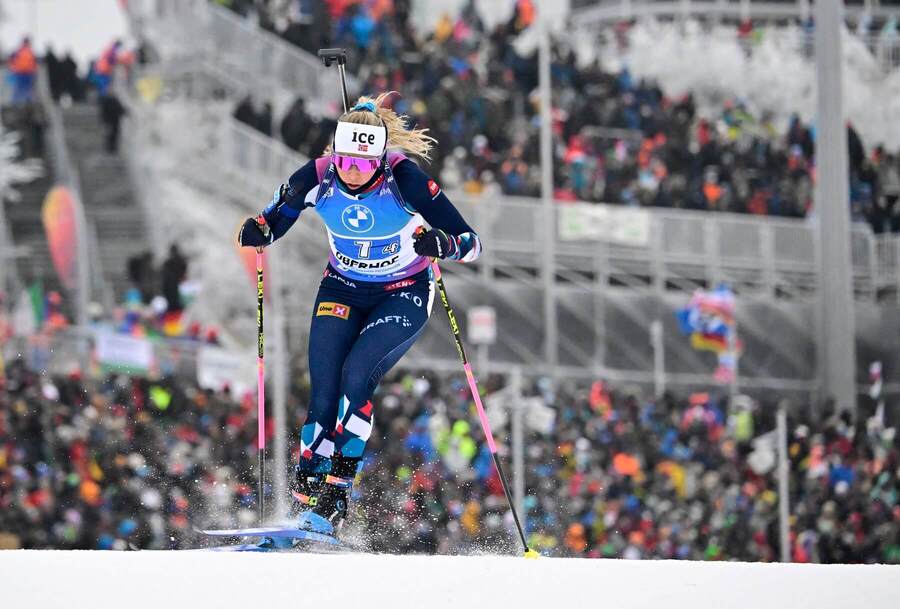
{"points": [[275, 533], [242, 547]]}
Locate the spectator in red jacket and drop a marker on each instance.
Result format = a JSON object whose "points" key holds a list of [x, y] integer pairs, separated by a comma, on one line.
{"points": [[22, 66]]}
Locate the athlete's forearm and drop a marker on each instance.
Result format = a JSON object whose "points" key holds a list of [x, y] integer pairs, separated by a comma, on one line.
{"points": [[289, 200], [425, 196]]}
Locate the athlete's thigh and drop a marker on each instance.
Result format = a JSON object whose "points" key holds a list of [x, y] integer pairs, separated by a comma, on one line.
{"points": [[336, 320], [390, 329]]}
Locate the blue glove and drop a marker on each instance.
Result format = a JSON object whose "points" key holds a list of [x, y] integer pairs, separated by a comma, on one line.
{"points": [[255, 234], [434, 243]]}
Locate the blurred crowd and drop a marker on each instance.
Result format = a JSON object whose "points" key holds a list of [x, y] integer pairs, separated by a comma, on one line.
{"points": [[67, 86], [133, 463], [118, 464], [63, 73], [617, 138], [621, 475]]}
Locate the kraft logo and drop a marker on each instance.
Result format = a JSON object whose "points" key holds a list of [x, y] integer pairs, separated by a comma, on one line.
{"points": [[333, 309], [403, 320]]}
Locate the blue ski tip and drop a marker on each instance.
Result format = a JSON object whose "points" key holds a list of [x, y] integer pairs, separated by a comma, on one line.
{"points": [[244, 547], [310, 521]]}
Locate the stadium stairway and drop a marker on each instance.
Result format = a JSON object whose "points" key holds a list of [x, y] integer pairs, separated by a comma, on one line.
{"points": [[235, 50], [111, 207], [24, 218]]}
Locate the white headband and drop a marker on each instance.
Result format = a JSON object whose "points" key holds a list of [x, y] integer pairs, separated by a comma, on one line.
{"points": [[360, 140]]}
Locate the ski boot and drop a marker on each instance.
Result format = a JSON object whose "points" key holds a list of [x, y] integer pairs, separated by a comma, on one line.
{"points": [[324, 497]]}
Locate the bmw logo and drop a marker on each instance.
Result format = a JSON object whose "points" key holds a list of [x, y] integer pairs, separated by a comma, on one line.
{"points": [[358, 218]]}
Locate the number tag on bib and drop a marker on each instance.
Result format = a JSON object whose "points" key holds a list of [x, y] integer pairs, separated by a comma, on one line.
{"points": [[368, 249]]}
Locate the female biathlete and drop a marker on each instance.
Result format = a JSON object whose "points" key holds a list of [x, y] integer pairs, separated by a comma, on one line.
{"points": [[376, 292]]}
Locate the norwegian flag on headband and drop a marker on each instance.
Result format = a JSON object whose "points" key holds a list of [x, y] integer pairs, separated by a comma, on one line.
{"points": [[360, 140]]}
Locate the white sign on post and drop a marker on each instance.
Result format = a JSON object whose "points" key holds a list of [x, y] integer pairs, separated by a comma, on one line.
{"points": [[623, 225], [482, 325], [121, 352], [217, 368]]}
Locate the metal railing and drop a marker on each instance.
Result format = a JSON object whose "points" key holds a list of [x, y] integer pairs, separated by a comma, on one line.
{"points": [[777, 253], [887, 260], [74, 348], [260, 59], [770, 256], [264, 159]]}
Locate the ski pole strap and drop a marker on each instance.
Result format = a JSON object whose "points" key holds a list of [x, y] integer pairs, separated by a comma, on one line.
{"points": [[339, 482], [303, 499], [436, 269]]}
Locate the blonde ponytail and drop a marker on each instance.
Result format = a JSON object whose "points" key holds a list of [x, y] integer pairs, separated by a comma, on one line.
{"points": [[410, 141]]}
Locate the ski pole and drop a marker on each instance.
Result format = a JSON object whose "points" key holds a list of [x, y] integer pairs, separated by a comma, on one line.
{"points": [[260, 374], [529, 553], [339, 56]]}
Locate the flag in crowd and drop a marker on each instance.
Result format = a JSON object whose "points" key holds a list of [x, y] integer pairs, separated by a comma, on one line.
{"points": [[709, 321]]}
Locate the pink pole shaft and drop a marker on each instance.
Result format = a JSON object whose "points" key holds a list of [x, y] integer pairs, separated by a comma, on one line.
{"points": [[473, 387], [261, 403], [260, 367], [481, 415]]}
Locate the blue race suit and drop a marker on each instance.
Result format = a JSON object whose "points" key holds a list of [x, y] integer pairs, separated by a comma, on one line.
{"points": [[375, 295]]}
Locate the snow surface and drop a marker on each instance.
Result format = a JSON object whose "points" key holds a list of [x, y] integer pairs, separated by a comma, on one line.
{"points": [[41, 578]]}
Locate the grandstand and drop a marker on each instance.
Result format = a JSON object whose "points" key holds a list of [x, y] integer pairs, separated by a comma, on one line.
{"points": [[575, 343], [617, 288]]}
